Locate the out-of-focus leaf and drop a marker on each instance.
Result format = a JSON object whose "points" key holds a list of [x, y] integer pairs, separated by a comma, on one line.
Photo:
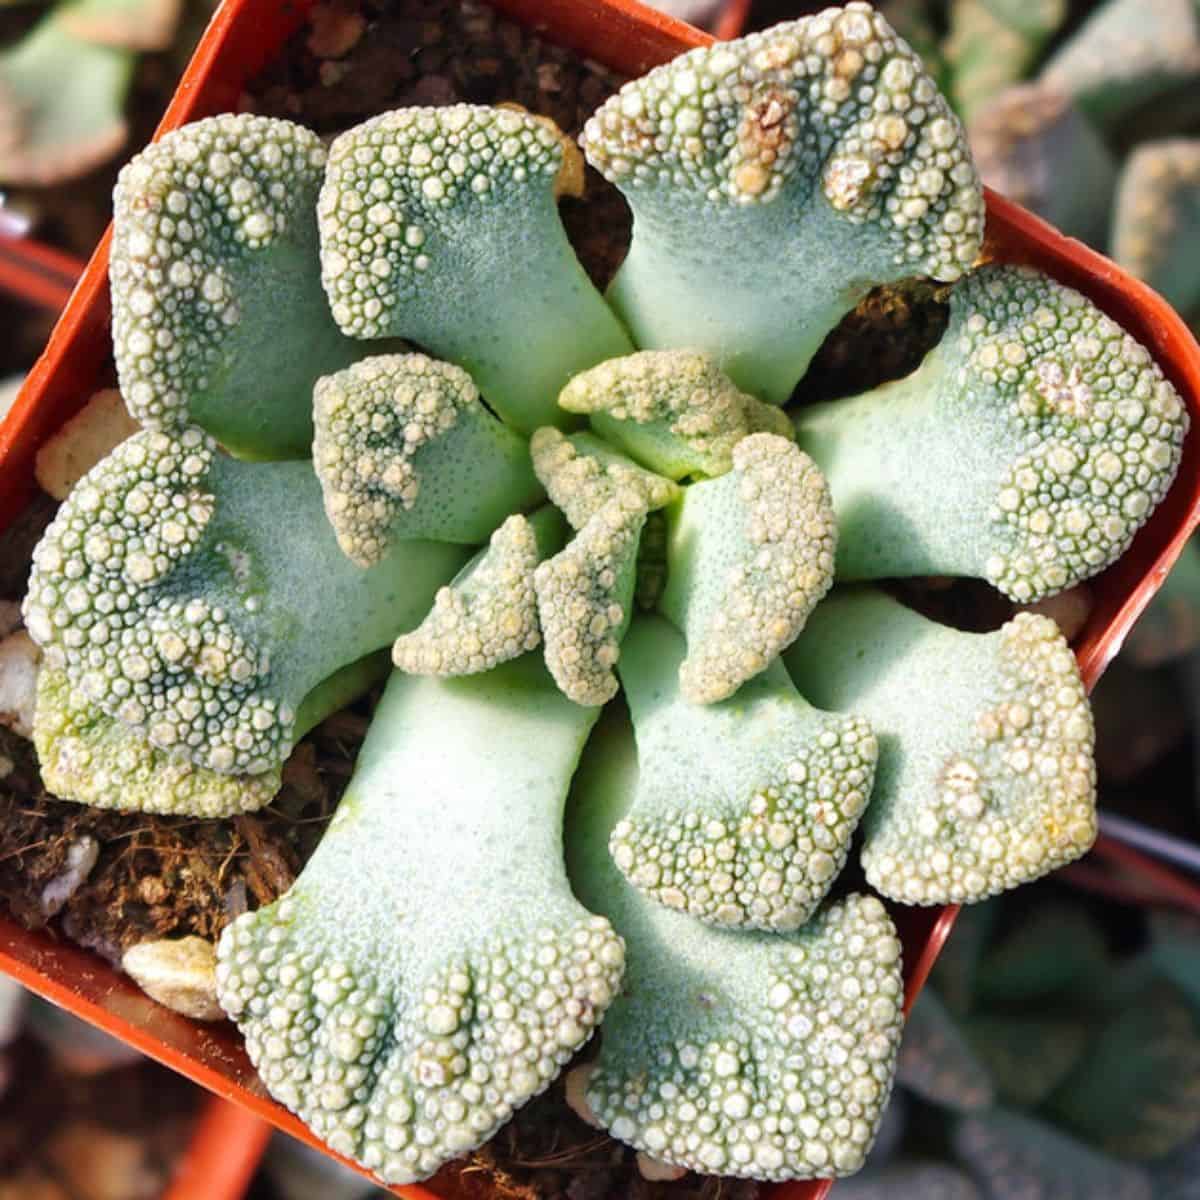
{"points": [[1027, 1056], [1031, 143], [61, 102], [993, 43], [1020, 1158], [1170, 626], [131, 24], [1175, 952], [936, 1061], [1156, 236], [1055, 947], [1128, 54], [1177, 1177], [910, 1181], [1136, 1092]]}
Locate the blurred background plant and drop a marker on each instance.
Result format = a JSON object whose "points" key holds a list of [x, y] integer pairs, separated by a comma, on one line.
{"points": [[82, 85]]}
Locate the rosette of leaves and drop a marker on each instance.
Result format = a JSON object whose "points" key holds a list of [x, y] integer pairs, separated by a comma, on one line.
{"points": [[405, 302]]}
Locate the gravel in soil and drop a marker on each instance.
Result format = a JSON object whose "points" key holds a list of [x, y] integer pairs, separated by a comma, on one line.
{"points": [[159, 877]]}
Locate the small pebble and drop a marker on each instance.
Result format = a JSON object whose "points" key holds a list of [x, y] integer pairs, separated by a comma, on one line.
{"points": [[18, 682], [100, 426], [179, 973], [575, 1093], [82, 854]]}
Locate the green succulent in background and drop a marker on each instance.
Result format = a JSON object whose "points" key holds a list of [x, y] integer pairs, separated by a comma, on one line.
{"points": [[1156, 224], [63, 86], [993, 43], [1038, 1063]]}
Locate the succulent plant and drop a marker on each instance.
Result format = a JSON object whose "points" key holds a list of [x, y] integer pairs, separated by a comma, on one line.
{"points": [[1057, 473], [431, 969], [1034, 145], [739, 1053], [992, 43], [1079, 1074], [168, 605], [1128, 53], [752, 236], [401, 1037]]}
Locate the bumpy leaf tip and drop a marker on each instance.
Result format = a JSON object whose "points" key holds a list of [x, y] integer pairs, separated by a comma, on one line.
{"points": [[754, 553], [403, 175], [1102, 426], [731, 122], [484, 618], [171, 665], [674, 410], [405, 449], [585, 595], [581, 475], [1017, 802], [190, 214]]}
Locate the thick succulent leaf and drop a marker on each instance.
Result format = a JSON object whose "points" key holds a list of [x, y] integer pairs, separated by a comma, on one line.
{"points": [[1128, 53], [1156, 226], [993, 44], [1000, 788], [61, 101], [1032, 143]]}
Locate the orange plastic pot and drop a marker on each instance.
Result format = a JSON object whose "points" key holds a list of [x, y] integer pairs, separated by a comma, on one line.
{"points": [[243, 37], [227, 1146]]}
